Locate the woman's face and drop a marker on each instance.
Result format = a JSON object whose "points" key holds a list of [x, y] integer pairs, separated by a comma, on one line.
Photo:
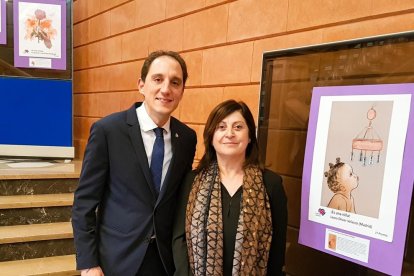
{"points": [[231, 137], [347, 177]]}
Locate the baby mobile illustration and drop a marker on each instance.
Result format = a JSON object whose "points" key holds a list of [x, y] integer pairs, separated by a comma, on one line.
{"points": [[341, 178], [40, 27], [368, 142]]}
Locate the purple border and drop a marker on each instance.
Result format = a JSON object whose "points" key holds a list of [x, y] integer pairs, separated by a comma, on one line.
{"points": [[3, 29], [384, 256], [57, 63]]}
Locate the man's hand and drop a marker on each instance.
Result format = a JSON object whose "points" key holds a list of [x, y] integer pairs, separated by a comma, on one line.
{"points": [[94, 271]]}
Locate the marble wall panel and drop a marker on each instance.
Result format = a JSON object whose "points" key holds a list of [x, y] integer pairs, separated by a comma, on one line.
{"points": [[37, 186], [24, 216], [37, 249]]}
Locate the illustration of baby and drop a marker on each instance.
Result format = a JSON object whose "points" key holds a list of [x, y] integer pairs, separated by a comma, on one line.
{"points": [[342, 181], [332, 241]]}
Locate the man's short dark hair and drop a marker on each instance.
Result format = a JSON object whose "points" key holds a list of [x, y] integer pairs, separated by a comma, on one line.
{"points": [[154, 55]]}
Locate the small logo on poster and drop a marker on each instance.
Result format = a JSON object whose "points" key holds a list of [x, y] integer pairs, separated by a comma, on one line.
{"points": [[321, 211]]}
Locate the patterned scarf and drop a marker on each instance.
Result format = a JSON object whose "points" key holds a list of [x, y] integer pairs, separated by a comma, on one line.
{"points": [[204, 225]]}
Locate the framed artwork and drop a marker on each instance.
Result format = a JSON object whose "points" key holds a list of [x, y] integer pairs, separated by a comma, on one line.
{"points": [[357, 175], [3, 26], [40, 34]]}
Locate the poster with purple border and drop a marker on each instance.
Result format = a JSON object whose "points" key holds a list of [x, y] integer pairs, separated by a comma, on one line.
{"points": [[3, 22], [357, 176], [40, 34]]}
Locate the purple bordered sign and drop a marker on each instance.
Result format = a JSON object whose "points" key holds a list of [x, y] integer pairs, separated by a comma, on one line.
{"points": [[3, 23], [356, 196], [40, 34]]}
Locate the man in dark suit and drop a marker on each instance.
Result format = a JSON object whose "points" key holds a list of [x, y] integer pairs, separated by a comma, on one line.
{"points": [[122, 218]]}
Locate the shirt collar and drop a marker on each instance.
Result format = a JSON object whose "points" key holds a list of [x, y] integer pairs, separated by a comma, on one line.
{"points": [[145, 121]]}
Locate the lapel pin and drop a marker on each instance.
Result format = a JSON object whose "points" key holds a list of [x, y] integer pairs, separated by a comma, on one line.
{"points": [[176, 135]]}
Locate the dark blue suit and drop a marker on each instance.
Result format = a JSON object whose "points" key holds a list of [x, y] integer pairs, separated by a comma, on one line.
{"points": [[116, 209]]}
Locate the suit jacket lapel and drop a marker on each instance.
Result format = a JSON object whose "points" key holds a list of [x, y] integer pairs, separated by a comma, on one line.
{"points": [[136, 140]]}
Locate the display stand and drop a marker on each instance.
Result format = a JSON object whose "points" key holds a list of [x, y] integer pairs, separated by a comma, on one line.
{"points": [[36, 110]]}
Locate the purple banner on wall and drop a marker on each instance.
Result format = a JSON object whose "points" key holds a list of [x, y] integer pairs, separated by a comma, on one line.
{"points": [[40, 34], [357, 177], [3, 23]]}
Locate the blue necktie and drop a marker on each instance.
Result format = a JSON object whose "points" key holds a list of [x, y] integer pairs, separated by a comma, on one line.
{"points": [[157, 158]]}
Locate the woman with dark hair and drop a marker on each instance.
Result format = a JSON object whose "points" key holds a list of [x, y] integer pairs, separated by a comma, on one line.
{"points": [[232, 213]]}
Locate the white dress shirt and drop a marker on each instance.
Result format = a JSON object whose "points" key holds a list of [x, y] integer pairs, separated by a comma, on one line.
{"points": [[147, 126]]}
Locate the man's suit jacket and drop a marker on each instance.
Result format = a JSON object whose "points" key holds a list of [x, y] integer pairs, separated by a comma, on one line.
{"points": [[116, 209]]}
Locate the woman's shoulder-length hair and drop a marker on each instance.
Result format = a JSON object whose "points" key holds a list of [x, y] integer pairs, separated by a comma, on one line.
{"points": [[217, 115]]}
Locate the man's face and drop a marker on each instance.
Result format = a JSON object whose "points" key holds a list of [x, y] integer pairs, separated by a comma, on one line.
{"points": [[163, 88]]}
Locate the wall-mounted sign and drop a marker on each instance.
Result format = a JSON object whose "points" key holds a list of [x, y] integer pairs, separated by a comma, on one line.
{"points": [[40, 34], [358, 177], [3, 24]]}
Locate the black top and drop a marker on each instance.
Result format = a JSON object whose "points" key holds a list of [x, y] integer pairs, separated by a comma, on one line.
{"points": [[278, 206], [231, 213]]}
